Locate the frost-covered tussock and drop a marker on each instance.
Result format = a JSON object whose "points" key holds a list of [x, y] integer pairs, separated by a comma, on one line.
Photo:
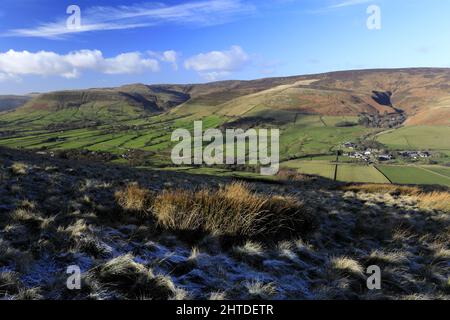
{"points": [[117, 226]]}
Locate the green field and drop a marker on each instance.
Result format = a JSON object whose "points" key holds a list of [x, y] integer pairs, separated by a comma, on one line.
{"points": [[439, 170], [360, 173], [345, 172], [311, 139], [373, 174], [316, 135], [320, 168], [413, 175], [417, 138], [308, 135]]}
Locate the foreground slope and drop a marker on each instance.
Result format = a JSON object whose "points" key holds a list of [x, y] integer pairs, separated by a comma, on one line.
{"points": [[55, 213]]}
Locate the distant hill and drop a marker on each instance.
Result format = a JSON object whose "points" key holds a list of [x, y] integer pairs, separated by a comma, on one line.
{"points": [[422, 94], [10, 102], [139, 96]]}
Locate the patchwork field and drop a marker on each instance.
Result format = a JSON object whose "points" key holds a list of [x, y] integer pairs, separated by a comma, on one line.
{"points": [[320, 168], [315, 115], [417, 138], [305, 135], [414, 175], [360, 173], [345, 172]]}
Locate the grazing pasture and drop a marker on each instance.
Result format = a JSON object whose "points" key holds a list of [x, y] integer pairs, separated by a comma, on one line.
{"points": [[417, 138], [413, 175]]}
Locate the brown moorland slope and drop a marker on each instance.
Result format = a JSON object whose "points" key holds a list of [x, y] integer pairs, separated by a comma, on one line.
{"points": [[423, 94]]}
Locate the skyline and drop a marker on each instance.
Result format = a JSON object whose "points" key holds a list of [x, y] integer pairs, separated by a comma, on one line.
{"points": [[202, 41]]}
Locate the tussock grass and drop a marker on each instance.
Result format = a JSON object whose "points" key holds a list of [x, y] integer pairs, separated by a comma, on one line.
{"points": [[386, 257], [346, 266], [435, 200], [9, 283], [251, 253], [134, 198], [232, 210], [29, 294], [259, 290], [292, 175], [217, 296], [19, 168], [250, 248], [23, 215], [383, 188], [134, 280]]}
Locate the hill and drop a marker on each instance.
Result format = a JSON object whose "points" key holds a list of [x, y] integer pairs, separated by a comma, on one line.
{"points": [[395, 110], [138, 96], [422, 94]]}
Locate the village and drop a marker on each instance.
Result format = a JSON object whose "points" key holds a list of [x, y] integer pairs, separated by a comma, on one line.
{"points": [[373, 155]]}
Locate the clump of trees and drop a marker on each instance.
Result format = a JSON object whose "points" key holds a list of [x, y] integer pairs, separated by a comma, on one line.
{"points": [[345, 124], [386, 120]]}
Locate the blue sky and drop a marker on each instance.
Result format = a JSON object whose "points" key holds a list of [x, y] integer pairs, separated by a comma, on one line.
{"points": [[171, 41]]}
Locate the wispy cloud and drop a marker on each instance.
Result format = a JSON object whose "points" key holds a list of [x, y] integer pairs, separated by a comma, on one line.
{"points": [[101, 18], [339, 5], [348, 3]]}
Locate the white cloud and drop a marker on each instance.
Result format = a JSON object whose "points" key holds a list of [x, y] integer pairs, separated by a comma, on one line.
{"points": [[46, 63], [218, 64], [130, 63], [169, 56], [200, 12], [215, 75]]}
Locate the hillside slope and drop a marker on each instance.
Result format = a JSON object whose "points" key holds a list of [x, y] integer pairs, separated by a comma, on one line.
{"points": [[422, 94], [138, 96]]}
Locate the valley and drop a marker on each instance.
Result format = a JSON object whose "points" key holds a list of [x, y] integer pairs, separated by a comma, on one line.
{"points": [[316, 115]]}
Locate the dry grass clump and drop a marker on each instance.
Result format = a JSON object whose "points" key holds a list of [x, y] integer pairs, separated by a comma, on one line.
{"points": [[23, 215], [437, 200], [383, 188], [347, 266], [387, 257], [250, 248], [434, 200], [232, 210], [134, 280], [19, 168], [29, 294], [259, 290], [292, 175], [10, 283], [134, 198], [217, 296]]}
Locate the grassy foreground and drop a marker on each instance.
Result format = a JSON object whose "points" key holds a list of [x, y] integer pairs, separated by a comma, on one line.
{"points": [[142, 234]]}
